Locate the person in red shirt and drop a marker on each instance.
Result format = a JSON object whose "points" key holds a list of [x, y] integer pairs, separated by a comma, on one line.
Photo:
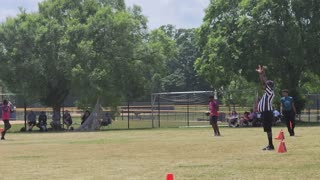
{"points": [[6, 110], [214, 114]]}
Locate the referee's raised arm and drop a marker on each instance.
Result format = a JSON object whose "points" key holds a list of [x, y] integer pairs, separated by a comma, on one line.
{"points": [[262, 76]]}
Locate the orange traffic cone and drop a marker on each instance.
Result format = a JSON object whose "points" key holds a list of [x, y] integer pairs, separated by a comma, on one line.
{"points": [[170, 176], [280, 136], [282, 147]]}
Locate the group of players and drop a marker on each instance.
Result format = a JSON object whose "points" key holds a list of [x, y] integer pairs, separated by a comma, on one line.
{"points": [[264, 107]]}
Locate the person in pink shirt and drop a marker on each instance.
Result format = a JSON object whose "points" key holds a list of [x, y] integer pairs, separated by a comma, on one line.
{"points": [[214, 114], [6, 110]]}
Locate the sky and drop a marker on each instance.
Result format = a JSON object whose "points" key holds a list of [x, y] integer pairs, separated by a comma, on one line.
{"points": [[181, 13]]}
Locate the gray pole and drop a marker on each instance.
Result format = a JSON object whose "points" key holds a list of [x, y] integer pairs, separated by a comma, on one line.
{"points": [[188, 110], [128, 110], [318, 117], [152, 118], [159, 110], [25, 115]]}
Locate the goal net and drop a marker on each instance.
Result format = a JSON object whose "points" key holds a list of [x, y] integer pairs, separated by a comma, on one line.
{"points": [[93, 122], [171, 109]]}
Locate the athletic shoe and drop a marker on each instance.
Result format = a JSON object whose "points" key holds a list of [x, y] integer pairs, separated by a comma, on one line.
{"points": [[268, 148], [215, 134], [2, 138]]}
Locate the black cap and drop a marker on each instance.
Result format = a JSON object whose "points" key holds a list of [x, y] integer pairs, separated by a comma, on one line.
{"points": [[270, 84]]}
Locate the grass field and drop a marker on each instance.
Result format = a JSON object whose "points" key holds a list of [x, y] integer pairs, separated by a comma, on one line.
{"points": [[189, 153]]}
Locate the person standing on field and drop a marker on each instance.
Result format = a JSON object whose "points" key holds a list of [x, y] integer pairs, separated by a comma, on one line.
{"points": [[214, 114], [6, 110], [288, 110], [265, 106]]}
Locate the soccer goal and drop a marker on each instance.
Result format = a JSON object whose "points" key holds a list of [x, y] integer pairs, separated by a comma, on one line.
{"points": [[175, 109]]}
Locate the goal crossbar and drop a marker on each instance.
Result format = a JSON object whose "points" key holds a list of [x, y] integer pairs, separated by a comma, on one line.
{"points": [[187, 92]]}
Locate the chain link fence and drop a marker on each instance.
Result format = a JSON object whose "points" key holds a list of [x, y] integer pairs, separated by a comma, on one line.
{"points": [[179, 110], [311, 113]]}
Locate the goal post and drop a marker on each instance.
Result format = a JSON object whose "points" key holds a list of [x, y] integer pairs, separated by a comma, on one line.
{"points": [[172, 109]]}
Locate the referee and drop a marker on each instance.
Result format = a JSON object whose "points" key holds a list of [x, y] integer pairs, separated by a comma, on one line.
{"points": [[265, 106]]}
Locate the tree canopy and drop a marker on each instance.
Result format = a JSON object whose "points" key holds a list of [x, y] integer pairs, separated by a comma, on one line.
{"points": [[74, 47], [102, 48], [94, 48], [237, 35]]}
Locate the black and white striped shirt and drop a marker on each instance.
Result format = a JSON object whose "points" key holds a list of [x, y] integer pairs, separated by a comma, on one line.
{"points": [[265, 104]]}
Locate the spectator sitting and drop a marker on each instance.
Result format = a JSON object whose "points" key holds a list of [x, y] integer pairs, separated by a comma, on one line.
{"points": [[252, 116], [67, 119], [42, 121], [233, 119], [106, 120], [32, 120], [245, 119], [277, 117], [257, 120], [85, 116], [55, 123]]}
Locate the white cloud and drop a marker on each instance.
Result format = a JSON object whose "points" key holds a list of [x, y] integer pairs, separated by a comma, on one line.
{"points": [[7, 13], [10, 8], [181, 13]]}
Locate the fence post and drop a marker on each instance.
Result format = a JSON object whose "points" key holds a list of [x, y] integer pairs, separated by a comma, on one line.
{"points": [[188, 110], [159, 110], [152, 121], [122, 113], [318, 117], [309, 114], [128, 111], [25, 115], [62, 116]]}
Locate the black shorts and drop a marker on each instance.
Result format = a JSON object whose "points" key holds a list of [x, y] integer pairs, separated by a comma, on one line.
{"points": [[68, 122], [7, 124], [288, 116], [213, 119], [267, 118]]}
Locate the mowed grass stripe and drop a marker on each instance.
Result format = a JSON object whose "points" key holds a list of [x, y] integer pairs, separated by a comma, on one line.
{"points": [[189, 153]]}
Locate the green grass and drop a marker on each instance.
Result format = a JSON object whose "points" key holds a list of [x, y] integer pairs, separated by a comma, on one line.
{"points": [[189, 153]]}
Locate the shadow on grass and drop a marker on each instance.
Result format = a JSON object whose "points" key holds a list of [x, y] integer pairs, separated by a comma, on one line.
{"points": [[16, 128]]}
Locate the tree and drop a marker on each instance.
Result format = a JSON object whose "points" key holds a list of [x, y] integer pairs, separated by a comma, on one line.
{"points": [[181, 74], [86, 48], [160, 51], [237, 35], [188, 52], [112, 45]]}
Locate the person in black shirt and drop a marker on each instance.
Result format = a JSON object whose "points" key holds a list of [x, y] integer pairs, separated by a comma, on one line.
{"points": [[67, 119], [42, 121], [85, 116]]}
